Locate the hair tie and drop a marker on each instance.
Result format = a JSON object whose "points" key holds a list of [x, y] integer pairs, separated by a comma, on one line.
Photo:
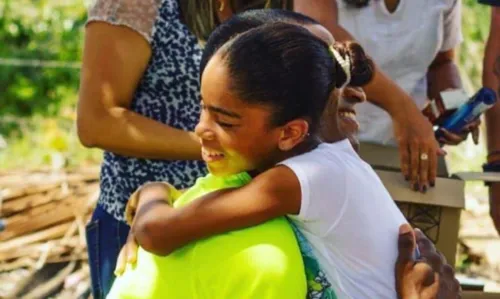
{"points": [[345, 64]]}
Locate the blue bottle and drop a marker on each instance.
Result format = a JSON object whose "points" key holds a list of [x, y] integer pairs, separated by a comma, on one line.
{"points": [[483, 100]]}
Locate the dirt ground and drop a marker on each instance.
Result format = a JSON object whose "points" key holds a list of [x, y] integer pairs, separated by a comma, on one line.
{"points": [[57, 266], [478, 233]]}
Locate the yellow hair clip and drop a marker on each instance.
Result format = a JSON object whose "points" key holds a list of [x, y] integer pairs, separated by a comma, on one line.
{"points": [[344, 63]]}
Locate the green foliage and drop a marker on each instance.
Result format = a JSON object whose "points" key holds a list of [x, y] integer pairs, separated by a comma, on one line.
{"points": [[37, 103], [40, 142], [39, 30]]}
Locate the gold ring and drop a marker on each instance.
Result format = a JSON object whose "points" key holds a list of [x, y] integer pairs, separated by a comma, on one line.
{"points": [[424, 157]]}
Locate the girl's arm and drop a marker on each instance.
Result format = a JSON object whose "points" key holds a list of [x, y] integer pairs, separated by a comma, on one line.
{"points": [[161, 229]]}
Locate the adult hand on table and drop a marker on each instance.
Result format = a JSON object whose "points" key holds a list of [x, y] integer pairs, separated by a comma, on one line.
{"points": [[427, 277], [418, 148]]}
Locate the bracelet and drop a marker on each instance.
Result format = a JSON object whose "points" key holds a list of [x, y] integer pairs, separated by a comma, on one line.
{"points": [[491, 167]]}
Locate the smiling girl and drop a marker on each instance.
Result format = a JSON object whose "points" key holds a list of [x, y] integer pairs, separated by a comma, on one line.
{"points": [[264, 93]]}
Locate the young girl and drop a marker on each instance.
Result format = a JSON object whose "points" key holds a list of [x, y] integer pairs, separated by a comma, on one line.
{"points": [[150, 278], [263, 94]]}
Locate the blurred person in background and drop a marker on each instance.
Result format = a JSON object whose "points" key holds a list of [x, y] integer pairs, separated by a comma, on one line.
{"points": [[491, 79], [413, 42]]}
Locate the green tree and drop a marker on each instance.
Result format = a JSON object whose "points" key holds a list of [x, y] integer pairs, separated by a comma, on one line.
{"points": [[39, 30]]}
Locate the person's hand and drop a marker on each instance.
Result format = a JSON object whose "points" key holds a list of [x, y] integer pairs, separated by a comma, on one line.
{"points": [[449, 286], [128, 254], [414, 279], [450, 138], [418, 149], [495, 204], [429, 276], [149, 191]]}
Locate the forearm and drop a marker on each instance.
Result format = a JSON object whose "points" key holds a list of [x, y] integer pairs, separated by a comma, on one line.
{"points": [[151, 222], [127, 133], [381, 91], [442, 76], [491, 79], [152, 228], [161, 229]]}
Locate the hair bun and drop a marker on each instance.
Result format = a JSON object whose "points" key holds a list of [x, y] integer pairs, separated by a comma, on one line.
{"points": [[361, 65]]}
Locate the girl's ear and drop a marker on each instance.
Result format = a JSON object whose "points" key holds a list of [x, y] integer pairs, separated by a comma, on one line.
{"points": [[292, 134]]}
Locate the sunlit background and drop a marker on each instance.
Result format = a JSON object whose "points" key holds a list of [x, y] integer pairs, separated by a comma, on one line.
{"points": [[40, 52]]}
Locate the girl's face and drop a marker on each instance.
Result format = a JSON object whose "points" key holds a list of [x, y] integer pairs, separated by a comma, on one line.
{"points": [[236, 136]]}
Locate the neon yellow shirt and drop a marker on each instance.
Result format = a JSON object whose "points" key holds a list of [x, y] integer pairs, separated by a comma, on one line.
{"points": [[261, 262]]}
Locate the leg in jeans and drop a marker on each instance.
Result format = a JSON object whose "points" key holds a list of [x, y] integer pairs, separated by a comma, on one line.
{"points": [[105, 238]]}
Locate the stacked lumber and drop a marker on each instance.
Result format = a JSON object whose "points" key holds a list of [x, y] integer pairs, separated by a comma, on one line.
{"points": [[42, 226]]}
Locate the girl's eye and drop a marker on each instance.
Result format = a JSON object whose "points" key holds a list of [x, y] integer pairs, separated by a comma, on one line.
{"points": [[225, 125]]}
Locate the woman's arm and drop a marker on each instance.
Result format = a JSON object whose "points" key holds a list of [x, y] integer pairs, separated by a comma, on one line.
{"points": [[443, 74], [491, 78], [161, 229], [114, 60], [412, 130]]}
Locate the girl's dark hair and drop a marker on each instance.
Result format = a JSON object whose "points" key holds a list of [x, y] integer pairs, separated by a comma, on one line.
{"points": [[200, 15], [245, 21], [284, 66]]}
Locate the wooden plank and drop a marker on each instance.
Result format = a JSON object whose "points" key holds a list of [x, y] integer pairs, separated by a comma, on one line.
{"points": [[35, 250], [386, 157], [82, 256], [40, 178], [43, 216], [13, 192], [20, 285], [24, 262], [31, 201], [53, 232], [43, 290], [446, 193], [10, 188]]}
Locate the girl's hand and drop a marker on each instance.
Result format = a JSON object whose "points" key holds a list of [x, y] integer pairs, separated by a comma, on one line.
{"points": [[128, 254], [148, 192]]}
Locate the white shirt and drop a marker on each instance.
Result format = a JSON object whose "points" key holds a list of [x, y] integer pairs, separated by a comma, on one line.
{"points": [[349, 219], [403, 44]]}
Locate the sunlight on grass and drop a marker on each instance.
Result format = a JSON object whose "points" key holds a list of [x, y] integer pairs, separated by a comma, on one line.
{"points": [[42, 143]]}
